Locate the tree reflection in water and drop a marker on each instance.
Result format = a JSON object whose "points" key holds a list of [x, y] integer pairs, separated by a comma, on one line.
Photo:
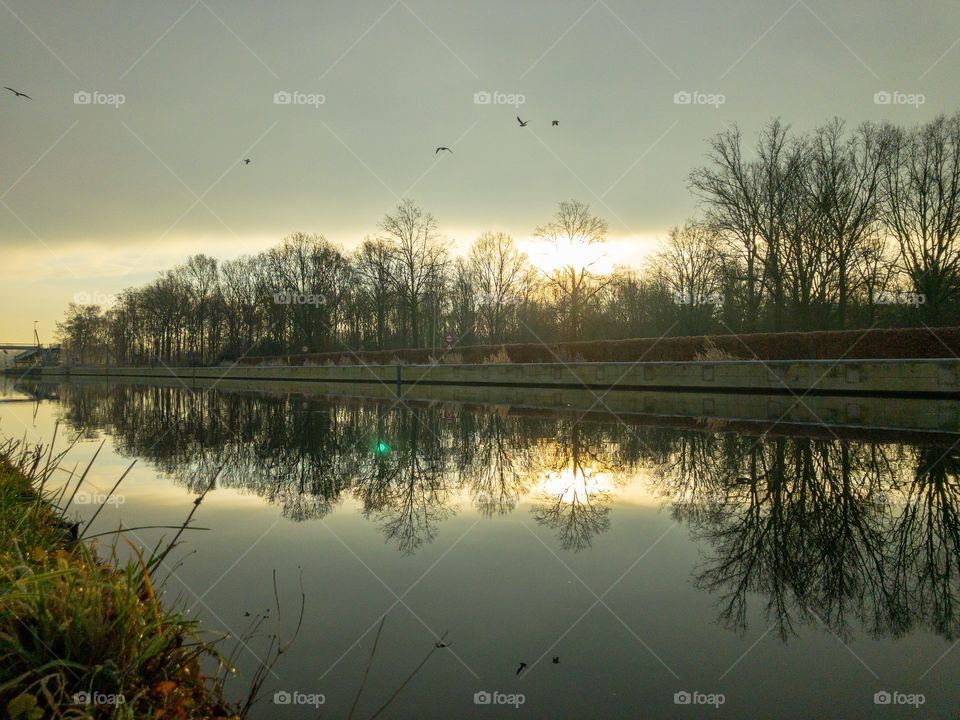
{"points": [[495, 462], [576, 478], [823, 531], [405, 486], [925, 540], [816, 531]]}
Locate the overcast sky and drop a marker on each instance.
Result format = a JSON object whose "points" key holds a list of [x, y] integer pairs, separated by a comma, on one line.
{"points": [[102, 190]]}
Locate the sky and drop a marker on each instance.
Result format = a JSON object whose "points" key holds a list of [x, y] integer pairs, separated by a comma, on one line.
{"points": [[129, 156]]}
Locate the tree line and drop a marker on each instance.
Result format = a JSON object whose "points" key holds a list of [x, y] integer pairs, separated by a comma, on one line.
{"points": [[834, 228]]}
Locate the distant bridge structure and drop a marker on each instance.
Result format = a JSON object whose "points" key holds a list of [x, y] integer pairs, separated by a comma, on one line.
{"points": [[20, 354]]}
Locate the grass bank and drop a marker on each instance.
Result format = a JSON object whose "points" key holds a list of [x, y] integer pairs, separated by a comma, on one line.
{"points": [[82, 633]]}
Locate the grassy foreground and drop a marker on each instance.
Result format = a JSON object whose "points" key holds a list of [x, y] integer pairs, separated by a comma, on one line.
{"points": [[82, 634]]}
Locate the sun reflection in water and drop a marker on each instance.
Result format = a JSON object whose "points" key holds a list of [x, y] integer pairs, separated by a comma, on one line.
{"points": [[574, 484]]}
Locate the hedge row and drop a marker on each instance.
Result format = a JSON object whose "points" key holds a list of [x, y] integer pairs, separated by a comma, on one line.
{"points": [[897, 343]]}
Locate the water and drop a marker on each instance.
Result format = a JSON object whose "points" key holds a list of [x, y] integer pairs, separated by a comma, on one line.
{"points": [[765, 575]]}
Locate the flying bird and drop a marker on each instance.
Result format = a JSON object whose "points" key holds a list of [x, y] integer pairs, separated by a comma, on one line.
{"points": [[443, 148], [246, 161], [555, 123], [522, 122], [17, 93], [520, 669], [556, 659]]}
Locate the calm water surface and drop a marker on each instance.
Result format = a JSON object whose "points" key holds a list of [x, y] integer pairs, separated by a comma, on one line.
{"points": [[767, 576]]}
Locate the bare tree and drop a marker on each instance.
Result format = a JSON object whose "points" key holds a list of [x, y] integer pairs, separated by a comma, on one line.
{"points": [[750, 203], [729, 188], [200, 277], [844, 188], [499, 271], [309, 274], [575, 227], [690, 264], [244, 290], [81, 332], [372, 265], [419, 256], [922, 208]]}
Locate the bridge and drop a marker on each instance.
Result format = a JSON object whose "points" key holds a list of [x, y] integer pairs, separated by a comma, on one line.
{"points": [[27, 353]]}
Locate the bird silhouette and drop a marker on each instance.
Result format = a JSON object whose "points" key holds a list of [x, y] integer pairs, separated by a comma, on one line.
{"points": [[555, 123], [522, 667], [523, 123], [556, 659], [17, 93], [246, 161], [443, 148]]}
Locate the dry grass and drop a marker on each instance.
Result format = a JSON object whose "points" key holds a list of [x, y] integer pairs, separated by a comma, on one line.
{"points": [[501, 357], [77, 622], [711, 352]]}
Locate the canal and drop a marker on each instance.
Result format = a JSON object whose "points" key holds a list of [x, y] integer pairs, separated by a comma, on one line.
{"points": [[568, 565]]}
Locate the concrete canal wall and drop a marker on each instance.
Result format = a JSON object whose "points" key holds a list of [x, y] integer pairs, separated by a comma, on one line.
{"points": [[890, 378]]}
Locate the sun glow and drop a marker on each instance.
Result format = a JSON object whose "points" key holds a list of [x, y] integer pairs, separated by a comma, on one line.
{"points": [[600, 258], [549, 256]]}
